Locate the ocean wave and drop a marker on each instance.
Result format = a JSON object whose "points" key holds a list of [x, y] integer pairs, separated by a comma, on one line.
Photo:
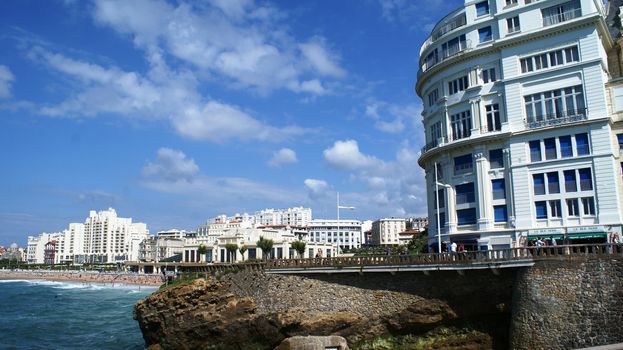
{"points": [[13, 281]]}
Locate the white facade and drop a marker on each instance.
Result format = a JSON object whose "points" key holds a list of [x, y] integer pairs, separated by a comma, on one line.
{"points": [[347, 234], [248, 237], [519, 137], [296, 216], [387, 231]]}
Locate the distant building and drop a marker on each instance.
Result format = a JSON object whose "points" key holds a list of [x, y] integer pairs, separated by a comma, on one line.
{"points": [[103, 237], [386, 231], [346, 234], [418, 224], [49, 253], [296, 216]]}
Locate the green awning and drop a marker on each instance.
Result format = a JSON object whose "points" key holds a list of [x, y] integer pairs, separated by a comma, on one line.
{"points": [[545, 236], [586, 235]]}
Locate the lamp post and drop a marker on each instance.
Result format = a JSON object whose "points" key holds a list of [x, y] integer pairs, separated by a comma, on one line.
{"points": [[338, 212]]}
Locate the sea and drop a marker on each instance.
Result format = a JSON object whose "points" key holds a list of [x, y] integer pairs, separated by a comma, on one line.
{"points": [[40, 314]]}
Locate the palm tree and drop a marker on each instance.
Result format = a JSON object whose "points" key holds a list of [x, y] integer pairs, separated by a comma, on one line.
{"points": [[231, 250], [299, 246], [202, 250], [266, 245], [242, 250]]}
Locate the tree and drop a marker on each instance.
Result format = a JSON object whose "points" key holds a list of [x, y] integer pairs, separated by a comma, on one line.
{"points": [[242, 250], [299, 246], [231, 251], [266, 245], [419, 242], [202, 250]]}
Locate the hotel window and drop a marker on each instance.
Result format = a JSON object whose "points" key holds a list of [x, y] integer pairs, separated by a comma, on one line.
{"points": [[550, 148], [586, 182], [555, 209], [566, 150], [494, 122], [538, 183], [488, 75], [549, 59], [512, 24], [499, 213], [485, 34], [496, 158], [588, 205], [454, 46], [535, 151], [541, 209], [572, 207], [570, 181], [461, 125], [435, 132], [499, 189], [466, 216], [482, 8], [511, 2], [465, 193], [463, 164], [581, 144], [553, 185], [458, 85], [432, 97], [442, 198]]}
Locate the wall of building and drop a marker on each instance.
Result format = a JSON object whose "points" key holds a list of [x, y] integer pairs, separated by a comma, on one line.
{"points": [[568, 304]]}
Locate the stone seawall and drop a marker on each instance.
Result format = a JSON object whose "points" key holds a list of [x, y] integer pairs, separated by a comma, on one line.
{"points": [[568, 304]]}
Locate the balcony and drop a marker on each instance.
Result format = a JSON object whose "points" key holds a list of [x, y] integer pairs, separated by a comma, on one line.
{"points": [[561, 17], [565, 117], [446, 54], [440, 141], [453, 24]]}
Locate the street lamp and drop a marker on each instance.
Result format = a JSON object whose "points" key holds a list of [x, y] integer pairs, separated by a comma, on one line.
{"points": [[338, 212]]}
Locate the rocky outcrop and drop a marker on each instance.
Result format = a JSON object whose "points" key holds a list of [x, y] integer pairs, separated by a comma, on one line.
{"points": [[230, 313]]}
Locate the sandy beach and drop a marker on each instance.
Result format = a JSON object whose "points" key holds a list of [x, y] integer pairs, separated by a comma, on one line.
{"points": [[84, 277]]}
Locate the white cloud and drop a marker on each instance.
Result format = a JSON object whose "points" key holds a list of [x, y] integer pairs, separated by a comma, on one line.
{"points": [[392, 118], [247, 46], [320, 59], [316, 188], [345, 155], [173, 173], [283, 156], [171, 165], [6, 78], [162, 94]]}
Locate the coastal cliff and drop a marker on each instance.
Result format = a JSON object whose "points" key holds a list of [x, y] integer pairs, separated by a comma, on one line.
{"points": [[251, 310]]}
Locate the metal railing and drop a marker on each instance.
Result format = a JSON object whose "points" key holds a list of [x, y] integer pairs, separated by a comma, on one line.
{"points": [[468, 257], [569, 116], [561, 17]]}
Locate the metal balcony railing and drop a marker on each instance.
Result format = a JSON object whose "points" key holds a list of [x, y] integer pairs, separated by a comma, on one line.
{"points": [[433, 144], [454, 50], [565, 117], [561, 17]]}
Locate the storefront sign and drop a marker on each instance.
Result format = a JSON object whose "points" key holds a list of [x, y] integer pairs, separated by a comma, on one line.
{"points": [[586, 229], [546, 232]]}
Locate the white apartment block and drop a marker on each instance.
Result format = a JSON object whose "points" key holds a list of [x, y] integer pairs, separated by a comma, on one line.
{"points": [[387, 231], [346, 234], [521, 132], [296, 216], [35, 251]]}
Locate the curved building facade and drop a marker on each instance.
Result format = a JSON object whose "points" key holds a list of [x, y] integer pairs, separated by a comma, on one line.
{"points": [[521, 138]]}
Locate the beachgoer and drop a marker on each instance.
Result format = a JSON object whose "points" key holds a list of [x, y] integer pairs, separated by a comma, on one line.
{"points": [[453, 247]]}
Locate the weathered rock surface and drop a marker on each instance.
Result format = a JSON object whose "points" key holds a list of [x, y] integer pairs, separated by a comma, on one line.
{"points": [[313, 343], [216, 314]]}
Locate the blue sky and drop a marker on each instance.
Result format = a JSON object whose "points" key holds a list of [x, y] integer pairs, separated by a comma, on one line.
{"points": [[175, 112]]}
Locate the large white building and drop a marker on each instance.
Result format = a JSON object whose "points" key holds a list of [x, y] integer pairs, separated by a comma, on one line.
{"points": [[296, 216], [520, 138], [103, 237], [346, 234]]}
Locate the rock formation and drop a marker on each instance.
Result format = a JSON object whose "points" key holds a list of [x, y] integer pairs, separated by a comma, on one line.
{"points": [[257, 311]]}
